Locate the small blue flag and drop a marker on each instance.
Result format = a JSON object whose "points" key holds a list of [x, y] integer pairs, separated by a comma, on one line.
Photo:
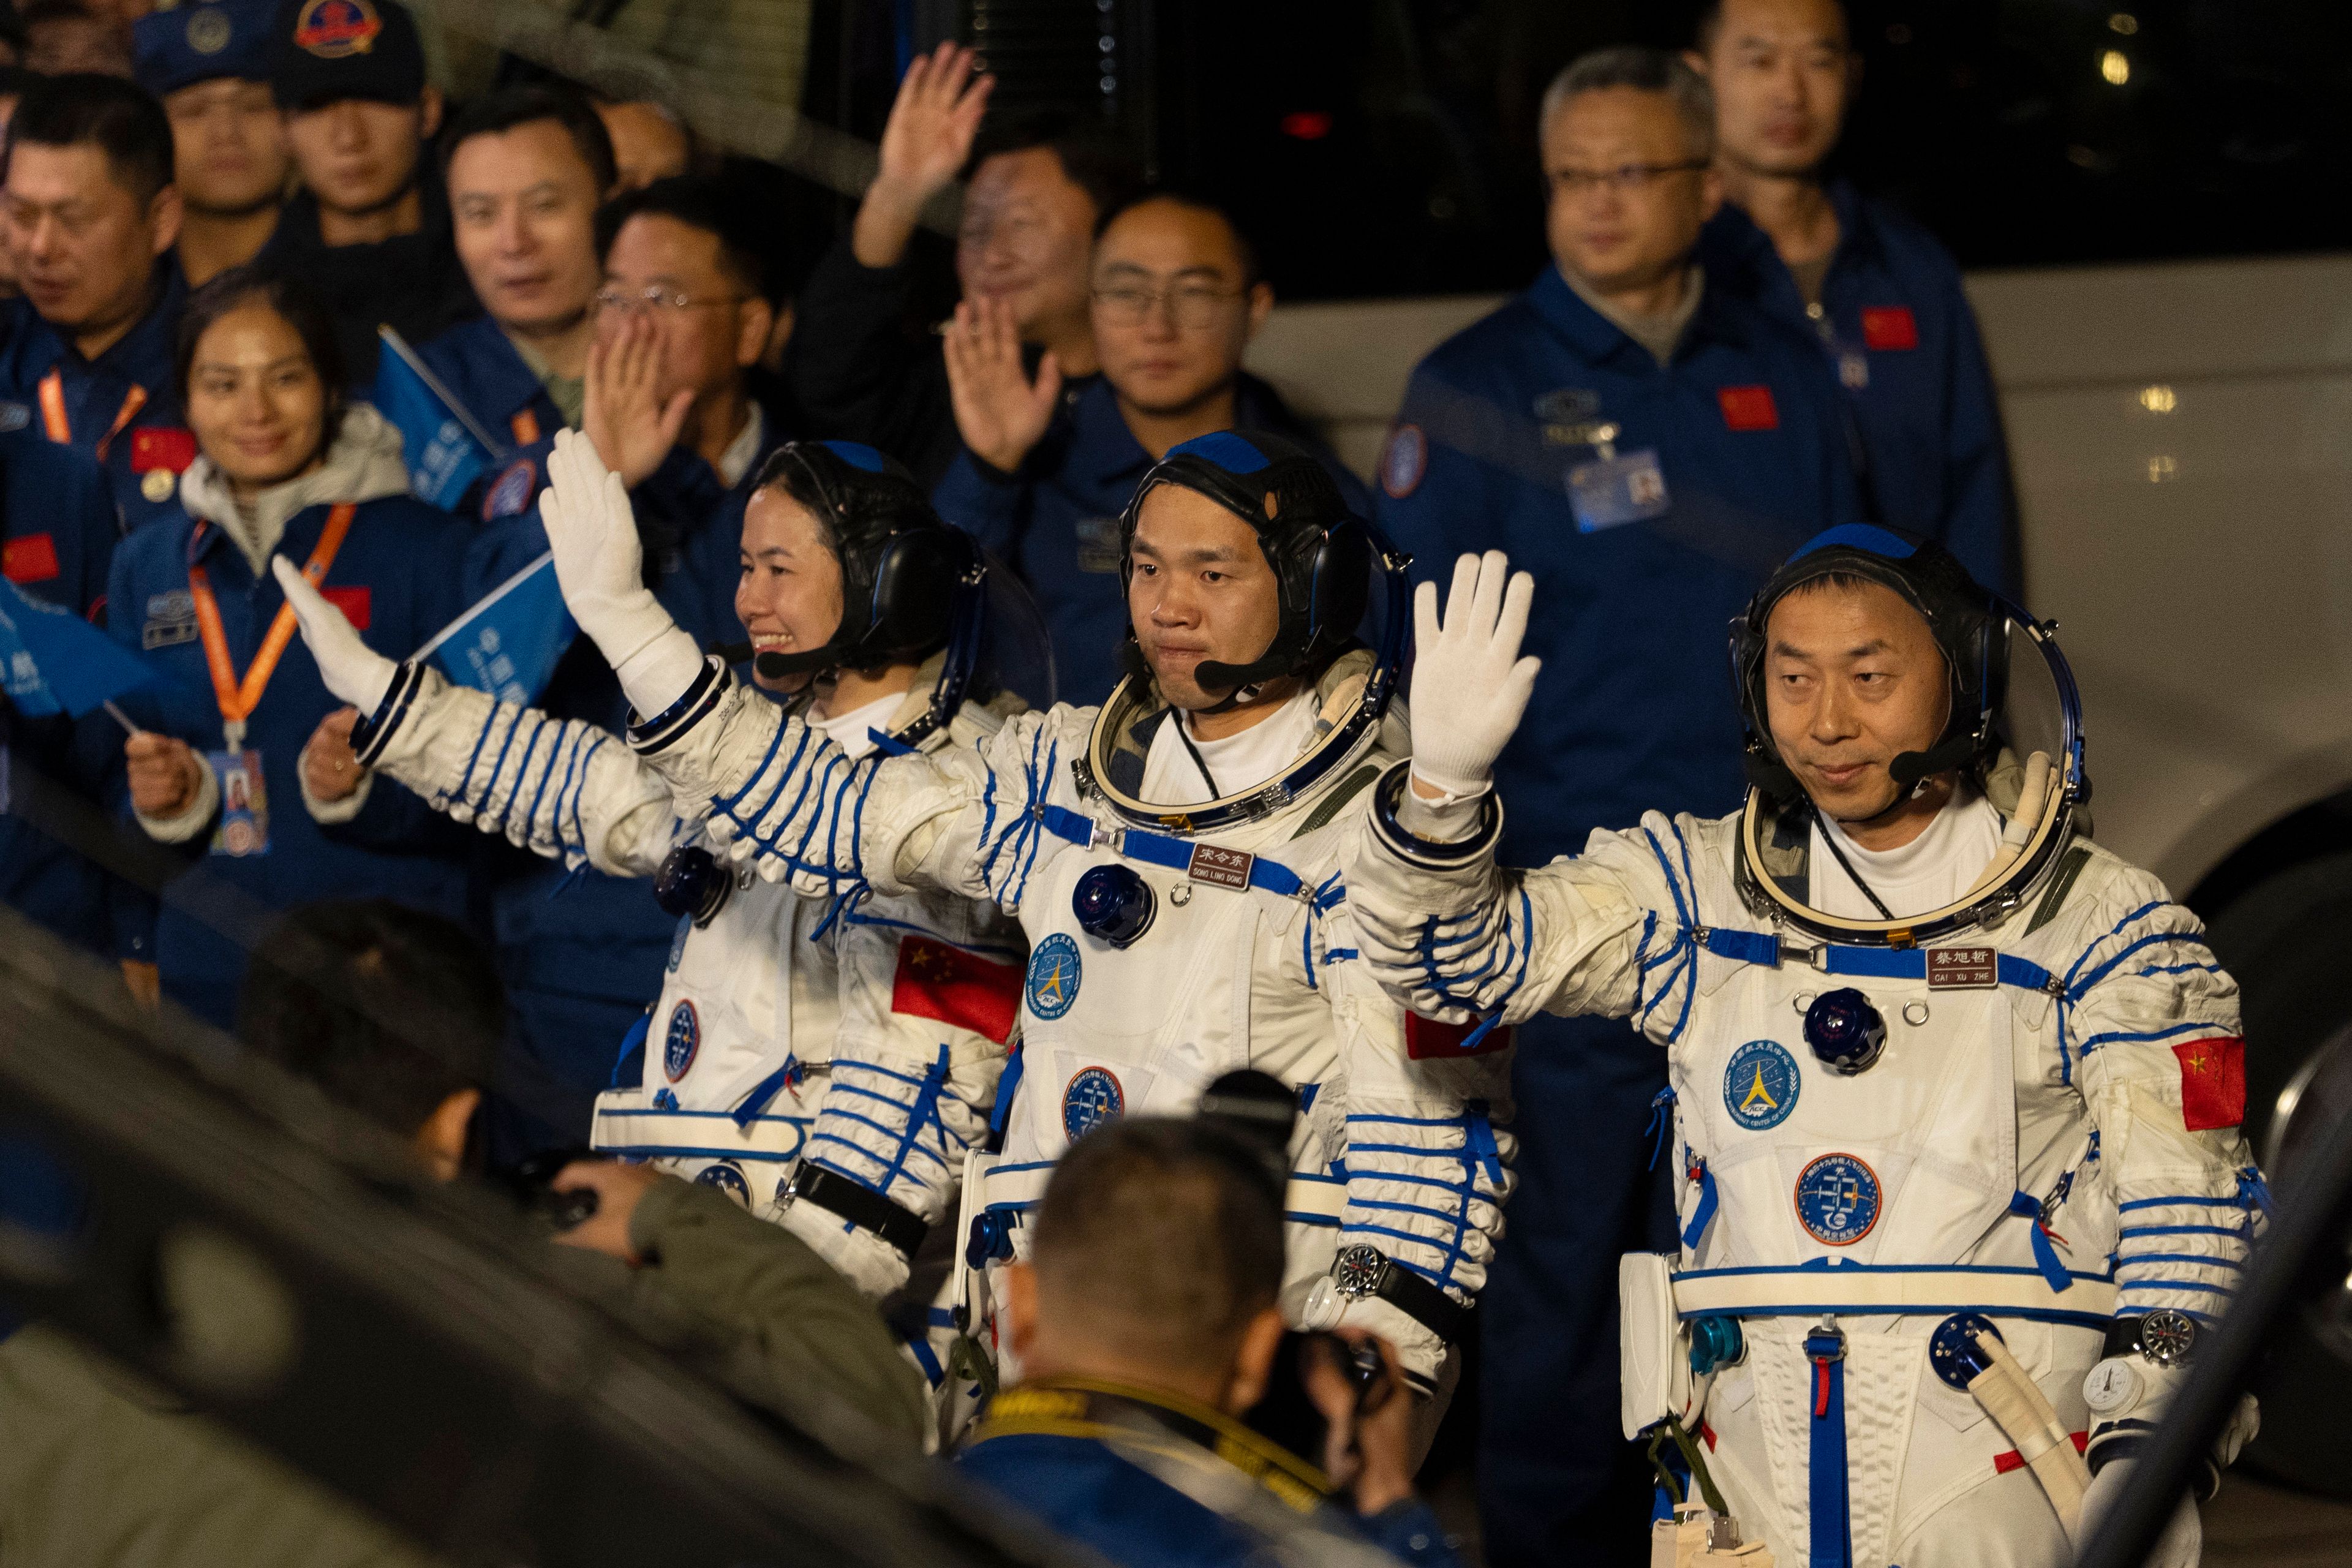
{"points": [[508, 644], [445, 447], [57, 662]]}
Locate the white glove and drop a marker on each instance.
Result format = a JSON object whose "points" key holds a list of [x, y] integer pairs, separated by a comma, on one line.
{"points": [[600, 565], [354, 672], [2183, 1539], [870, 1263], [1469, 684]]}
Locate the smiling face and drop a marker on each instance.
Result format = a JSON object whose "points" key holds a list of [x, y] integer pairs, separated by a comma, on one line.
{"points": [[1028, 231], [1782, 73], [789, 596], [524, 205], [255, 399], [705, 345], [1199, 588], [1853, 680]]}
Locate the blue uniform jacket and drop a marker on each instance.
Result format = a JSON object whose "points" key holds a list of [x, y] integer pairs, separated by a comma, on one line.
{"points": [[155, 439], [1902, 342], [583, 953], [56, 517], [398, 577], [1097, 1499], [478, 362], [1635, 708], [1056, 522]]}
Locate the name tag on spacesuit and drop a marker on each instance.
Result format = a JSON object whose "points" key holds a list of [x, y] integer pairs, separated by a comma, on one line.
{"points": [[1963, 969], [1221, 867], [1611, 491]]}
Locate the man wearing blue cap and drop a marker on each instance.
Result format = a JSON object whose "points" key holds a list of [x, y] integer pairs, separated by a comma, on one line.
{"points": [[366, 230], [90, 215], [210, 65]]}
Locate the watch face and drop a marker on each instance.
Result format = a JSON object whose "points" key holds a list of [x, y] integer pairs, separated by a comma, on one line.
{"points": [[2112, 1386], [2166, 1337], [1358, 1269]]}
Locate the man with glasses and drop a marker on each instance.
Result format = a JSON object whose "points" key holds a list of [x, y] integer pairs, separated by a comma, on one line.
{"points": [[1650, 447], [1043, 479], [680, 319], [1878, 292]]}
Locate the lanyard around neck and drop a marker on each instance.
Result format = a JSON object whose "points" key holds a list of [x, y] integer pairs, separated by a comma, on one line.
{"points": [[238, 698], [59, 429]]}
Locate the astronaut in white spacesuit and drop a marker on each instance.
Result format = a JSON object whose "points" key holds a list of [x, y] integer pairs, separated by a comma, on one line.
{"points": [[825, 1061], [1172, 856], [1955, 1092]]}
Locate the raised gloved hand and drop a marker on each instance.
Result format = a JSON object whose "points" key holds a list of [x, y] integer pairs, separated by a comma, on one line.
{"points": [[2183, 1539], [1469, 684], [354, 672], [600, 565]]}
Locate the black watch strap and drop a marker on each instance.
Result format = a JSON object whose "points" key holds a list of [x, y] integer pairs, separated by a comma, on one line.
{"points": [[861, 1207], [1423, 1302], [2164, 1337]]}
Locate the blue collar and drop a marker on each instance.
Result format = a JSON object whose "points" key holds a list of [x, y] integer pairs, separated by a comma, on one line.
{"points": [[1594, 338], [1733, 244], [502, 383], [149, 340]]}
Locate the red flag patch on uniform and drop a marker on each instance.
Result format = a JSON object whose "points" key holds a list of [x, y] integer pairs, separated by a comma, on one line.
{"points": [[2212, 1082], [354, 602], [1427, 1039], [936, 981], [1748, 407], [162, 447], [32, 559], [1889, 327]]}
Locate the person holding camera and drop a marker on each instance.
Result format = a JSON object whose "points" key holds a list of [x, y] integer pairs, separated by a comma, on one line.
{"points": [[1147, 1322]]}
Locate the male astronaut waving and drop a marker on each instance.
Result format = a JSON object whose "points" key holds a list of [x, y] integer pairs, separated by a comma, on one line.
{"points": [[1172, 856], [825, 1061], [1957, 1093]]}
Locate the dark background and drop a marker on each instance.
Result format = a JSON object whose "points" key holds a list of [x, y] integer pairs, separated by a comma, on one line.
{"points": [[1387, 147]]}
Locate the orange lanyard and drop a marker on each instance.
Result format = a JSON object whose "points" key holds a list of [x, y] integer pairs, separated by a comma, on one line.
{"points": [[238, 698], [60, 429]]}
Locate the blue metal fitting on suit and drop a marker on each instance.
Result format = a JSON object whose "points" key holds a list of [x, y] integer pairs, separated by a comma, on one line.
{"points": [[1845, 1031], [991, 1239], [1113, 903], [691, 881], [1953, 1352], [1716, 1342]]}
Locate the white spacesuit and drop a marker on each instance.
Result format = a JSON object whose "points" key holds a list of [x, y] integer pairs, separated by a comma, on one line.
{"points": [[826, 1060], [1170, 942], [2017, 1102]]}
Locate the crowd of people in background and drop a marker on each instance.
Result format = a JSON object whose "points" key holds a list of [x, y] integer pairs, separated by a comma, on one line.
{"points": [[213, 212]]}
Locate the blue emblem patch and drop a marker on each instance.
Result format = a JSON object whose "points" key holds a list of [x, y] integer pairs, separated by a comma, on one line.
{"points": [[1760, 1086], [681, 1041], [1838, 1199], [1092, 1099], [510, 493], [728, 1179], [1053, 978]]}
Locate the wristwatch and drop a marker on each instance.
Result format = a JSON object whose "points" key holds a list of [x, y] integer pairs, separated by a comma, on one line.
{"points": [[1363, 1272], [862, 1207], [2164, 1337]]}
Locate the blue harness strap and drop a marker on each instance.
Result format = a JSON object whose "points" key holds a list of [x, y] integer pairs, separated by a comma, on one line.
{"points": [[1832, 1542], [1875, 963], [1166, 849], [2027, 1208], [1705, 1212]]}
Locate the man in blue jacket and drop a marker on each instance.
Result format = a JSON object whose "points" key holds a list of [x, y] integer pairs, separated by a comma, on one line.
{"points": [[92, 216], [1877, 291], [1146, 1323], [1041, 480], [1649, 448]]}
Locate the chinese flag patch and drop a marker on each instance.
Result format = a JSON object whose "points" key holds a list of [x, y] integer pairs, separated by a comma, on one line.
{"points": [[1425, 1038], [1889, 327], [162, 448], [32, 559], [936, 981], [2212, 1082], [1748, 407], [353, 602]]}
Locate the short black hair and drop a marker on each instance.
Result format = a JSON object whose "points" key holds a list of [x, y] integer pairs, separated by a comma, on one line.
{"points": [[121, 118], [1710, 17], [388, 1009], [304, 310], [698, 202], [516, 106], [1094, 161], [1243, 247], [1166, 1234]]}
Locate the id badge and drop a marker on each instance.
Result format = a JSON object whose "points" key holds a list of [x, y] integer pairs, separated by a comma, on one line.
{"points": [[1098, 544], [1611, 491], [245, 804]]}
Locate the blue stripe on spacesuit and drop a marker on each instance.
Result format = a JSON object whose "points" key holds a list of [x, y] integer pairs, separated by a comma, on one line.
{"points": [[547, 775], [922, 1351], [2114, 1037], [2197, 1259], [728, 804], [540, 723], [466, 779], [498, 766], [2077, 989], [578, 789]]}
